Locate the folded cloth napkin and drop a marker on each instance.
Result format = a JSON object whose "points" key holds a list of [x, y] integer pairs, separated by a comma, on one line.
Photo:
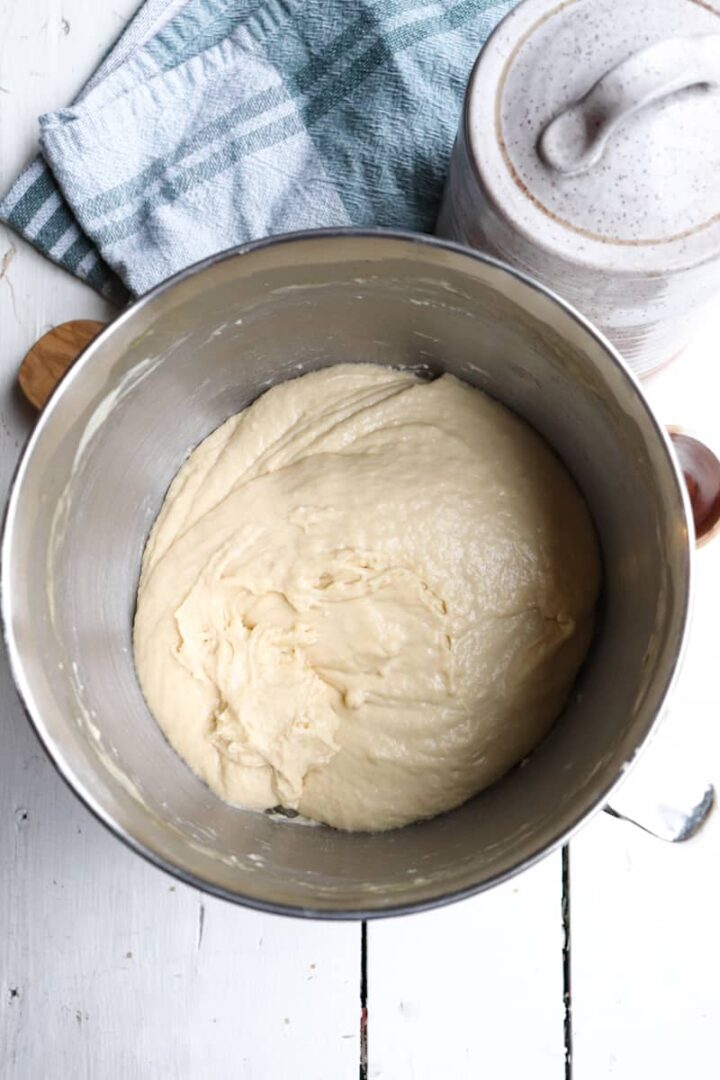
{"points": [[214, 122]]}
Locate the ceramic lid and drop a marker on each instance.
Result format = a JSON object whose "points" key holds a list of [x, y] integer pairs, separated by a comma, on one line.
{"points": [[594, 126]]}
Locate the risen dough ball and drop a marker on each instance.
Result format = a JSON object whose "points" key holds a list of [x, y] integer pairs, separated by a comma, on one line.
{"points": [[365, 598]]}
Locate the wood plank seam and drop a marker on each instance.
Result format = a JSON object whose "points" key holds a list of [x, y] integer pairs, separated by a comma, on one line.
{"points": [[363, 1002], [567, 963]]}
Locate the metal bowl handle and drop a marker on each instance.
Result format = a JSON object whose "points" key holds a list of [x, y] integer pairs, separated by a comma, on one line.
{"points": [[673, 815], [667, 797]]}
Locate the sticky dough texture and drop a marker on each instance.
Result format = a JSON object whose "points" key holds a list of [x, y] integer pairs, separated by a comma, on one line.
{"points": [[365, 598]]}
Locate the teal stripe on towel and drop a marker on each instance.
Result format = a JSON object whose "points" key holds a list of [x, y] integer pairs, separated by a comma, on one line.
{"points": [[32, 201]]}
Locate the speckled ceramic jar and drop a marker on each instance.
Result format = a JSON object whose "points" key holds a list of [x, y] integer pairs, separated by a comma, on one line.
{"points": [[589, 156]]}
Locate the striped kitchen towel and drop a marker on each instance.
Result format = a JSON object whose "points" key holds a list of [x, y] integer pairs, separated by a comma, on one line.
{"points": [[214, 122]]}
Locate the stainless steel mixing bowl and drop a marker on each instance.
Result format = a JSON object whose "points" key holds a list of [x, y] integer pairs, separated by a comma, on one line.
{"points": [[176, 365]]}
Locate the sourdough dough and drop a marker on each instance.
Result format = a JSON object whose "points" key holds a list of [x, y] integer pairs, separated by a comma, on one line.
{"points": [[365, 598]]}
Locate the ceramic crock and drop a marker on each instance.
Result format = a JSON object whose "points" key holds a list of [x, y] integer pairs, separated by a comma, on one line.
{"points": [[589, 156]]}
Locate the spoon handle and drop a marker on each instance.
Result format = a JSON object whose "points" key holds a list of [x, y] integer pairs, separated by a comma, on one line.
{"points": [[51, 356]]}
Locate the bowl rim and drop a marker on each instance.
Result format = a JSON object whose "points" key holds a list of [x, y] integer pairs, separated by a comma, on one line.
{"points": [[55, 752]]}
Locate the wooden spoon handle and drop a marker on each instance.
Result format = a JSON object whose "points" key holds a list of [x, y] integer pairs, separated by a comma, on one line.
{"points": [[700, 467], [51, 356]]}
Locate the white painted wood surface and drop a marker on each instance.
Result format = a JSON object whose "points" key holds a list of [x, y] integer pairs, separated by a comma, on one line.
{"points": [[645, 934], [110, 969], [474, 990]]}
